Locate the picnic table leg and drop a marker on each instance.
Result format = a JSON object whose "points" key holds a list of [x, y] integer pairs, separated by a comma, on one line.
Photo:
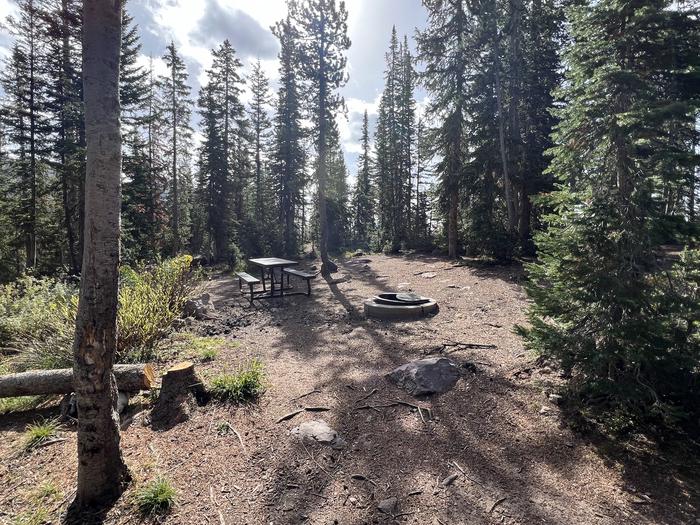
{"points": [[262, 271]]}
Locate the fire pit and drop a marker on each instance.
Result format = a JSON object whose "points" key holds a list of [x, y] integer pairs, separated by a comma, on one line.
{"points": [[399, 306]]}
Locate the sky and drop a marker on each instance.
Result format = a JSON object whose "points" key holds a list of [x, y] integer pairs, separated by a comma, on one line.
{"points": [[197, 26]]}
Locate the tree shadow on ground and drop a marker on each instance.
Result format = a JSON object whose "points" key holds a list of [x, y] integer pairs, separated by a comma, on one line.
{"points": [[510, 468]]}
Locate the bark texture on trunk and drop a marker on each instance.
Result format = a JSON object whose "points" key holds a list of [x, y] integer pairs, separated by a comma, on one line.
{"points": [[102, 472], [130, 378]]}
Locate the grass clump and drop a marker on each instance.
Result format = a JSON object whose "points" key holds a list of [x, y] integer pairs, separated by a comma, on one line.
{"points": [[156, 497], [246, 384], [35, 516], [46, 491], [39, 433]]}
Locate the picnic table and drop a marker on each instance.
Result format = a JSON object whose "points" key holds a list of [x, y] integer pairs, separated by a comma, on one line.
{"points": [[268, 264]]}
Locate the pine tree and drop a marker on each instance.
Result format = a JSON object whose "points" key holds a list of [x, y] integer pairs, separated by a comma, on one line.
{"points": [[221, 167], [62, 29], [177, 110], [264, 212], [443, 49], [289, 156], [323, 41], [363, 198], [25, 86], [605, 305], [391, 147]]}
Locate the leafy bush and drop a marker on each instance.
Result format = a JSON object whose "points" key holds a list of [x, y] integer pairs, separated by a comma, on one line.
{"points": [[156, 497], [37, 321], [149, 301], [246, 384], [37, 316]]}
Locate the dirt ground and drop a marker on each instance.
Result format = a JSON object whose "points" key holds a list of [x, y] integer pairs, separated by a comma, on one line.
{"points": [[516, 459]]}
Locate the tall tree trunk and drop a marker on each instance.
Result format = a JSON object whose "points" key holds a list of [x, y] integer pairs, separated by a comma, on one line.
{"points": [[327, 266], [452, 230], [176, 198], [102, 472], [31, 230], [507, 183]]}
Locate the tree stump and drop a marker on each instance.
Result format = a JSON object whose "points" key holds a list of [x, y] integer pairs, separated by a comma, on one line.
{"points": [[180, 390]]}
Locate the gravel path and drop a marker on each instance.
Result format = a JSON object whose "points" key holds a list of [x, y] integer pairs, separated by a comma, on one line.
{"points": [[515, 461]]}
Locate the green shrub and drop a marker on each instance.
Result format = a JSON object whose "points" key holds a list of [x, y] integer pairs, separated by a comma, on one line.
{"points": [[246, 384], [19, 404], [39, 433], [149, 301], [156, 497], [37, 316]]}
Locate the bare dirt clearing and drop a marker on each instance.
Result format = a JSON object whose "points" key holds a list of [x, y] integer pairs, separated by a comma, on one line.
{"points": [[494, 450]]}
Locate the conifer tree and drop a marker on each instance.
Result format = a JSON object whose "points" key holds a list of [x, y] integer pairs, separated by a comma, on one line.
{"points": [[177, 110], [265, 213], [62, 29], [443, 49], [363, 198], [25, 86], [289, 156], [221, 168], [323, 41], [605, 305]]}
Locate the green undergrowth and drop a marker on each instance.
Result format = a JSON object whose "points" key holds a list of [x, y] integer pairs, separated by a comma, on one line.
{"points": [[20, 404], [244, 385], [191, 346], [156, 497], [37, 315], [39, 433]]}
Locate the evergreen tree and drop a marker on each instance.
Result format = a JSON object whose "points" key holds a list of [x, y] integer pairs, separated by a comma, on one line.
{"points": [[265, 212], [25, 86], [177, 110], [289, 156], [443, 49], [223, 172], [605, 305], [62, 21], [363, 198], [323, 41]]}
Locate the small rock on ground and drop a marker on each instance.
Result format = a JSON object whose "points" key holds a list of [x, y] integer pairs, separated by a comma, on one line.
{"points": [[318, 431], [388, 506]]}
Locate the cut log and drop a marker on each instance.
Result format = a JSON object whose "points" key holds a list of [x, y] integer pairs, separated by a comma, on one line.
{"points": [[180, 389], [130, 378]]}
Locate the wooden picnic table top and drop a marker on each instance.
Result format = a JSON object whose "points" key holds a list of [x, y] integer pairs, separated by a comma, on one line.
{"points": [[272, 262]]}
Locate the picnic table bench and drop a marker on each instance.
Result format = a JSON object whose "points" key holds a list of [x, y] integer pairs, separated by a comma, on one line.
{"points": [[249, 280], [302, 275]]}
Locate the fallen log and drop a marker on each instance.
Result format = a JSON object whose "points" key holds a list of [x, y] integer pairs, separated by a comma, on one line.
{"points": [[130, 378]]}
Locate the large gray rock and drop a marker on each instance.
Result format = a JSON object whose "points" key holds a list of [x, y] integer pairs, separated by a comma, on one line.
{"points": [[201, 308], [318, 431], [435, 375]]}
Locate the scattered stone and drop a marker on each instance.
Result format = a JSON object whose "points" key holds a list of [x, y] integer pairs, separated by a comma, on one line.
{"points": [[200, 308], [545, 411], [449, 480], [403, 286], [428, 275], [318, 431], [556, 399], [388, 506], [454, 286], [434, 375], [358, 253]]}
